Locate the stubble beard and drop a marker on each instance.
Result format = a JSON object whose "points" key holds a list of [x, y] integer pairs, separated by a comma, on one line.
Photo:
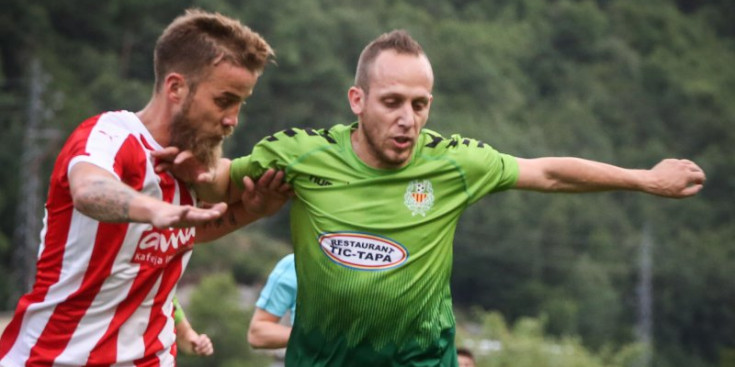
{"points": [[388, 160]]}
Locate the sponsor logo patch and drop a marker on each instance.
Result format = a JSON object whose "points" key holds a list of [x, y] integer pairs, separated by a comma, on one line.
{"points": [[362, 251], [158, 246]]}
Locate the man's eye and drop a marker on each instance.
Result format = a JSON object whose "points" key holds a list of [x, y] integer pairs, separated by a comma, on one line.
{"points": [[392, 102], [224, 102]]}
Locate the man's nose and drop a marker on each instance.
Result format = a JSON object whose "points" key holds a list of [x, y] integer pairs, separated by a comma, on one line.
{"points": [[231, 118], [408, 117]]}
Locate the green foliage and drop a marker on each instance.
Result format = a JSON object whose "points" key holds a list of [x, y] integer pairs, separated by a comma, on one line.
{"points": [[248, 254], [524, 344], [215, 309]]}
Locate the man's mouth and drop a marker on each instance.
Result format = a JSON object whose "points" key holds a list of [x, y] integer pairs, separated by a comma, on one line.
{"points": [[402, 142]]}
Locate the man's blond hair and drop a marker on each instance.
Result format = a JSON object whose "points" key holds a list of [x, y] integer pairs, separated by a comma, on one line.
{"points": [[197, 40]]}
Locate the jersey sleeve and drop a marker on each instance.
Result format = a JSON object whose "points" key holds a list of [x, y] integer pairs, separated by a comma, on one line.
{"points": [[278, 151], [178, 311], [105, 143], [484, 169], [279, 293]]}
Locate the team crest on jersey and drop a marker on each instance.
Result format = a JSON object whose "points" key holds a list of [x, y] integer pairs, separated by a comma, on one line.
{"points": [[158, 246], [419, 197], [362, 251]]}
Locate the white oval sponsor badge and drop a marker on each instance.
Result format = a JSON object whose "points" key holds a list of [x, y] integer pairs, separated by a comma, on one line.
{"points": [[362, 251]]}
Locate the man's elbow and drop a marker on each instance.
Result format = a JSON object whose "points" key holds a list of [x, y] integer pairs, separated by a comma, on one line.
{"points": [[254, 340]]}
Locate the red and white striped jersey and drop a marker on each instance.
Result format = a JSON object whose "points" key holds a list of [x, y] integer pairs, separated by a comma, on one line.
{"points": [[102, 294]]}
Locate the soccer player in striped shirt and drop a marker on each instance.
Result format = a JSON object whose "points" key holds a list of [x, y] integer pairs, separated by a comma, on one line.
{"points": [[117, 232]]}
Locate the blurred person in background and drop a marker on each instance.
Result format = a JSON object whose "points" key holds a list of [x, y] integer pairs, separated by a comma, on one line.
{"points": [[465, 358], [278, 296], [187, 339]]}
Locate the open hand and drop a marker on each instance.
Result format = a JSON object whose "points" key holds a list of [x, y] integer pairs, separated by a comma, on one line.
{"points": [[266, 196], [168, 215]]}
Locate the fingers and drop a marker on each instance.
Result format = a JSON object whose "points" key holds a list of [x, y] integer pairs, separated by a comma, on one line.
{"points": [[692, 190], [198, 215], [183, 156], [273, 180], [249, 185], [220, 207], [164, 158], [167, 153], [187, 215], [205, 177], [203, 346]]}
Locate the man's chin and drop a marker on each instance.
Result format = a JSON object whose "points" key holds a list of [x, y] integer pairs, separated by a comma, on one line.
{"points": [[208, 153]]}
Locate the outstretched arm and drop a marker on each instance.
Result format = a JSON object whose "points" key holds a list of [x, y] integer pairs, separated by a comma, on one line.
{"points": [[266, 332], [99, 195], [674, 178]]}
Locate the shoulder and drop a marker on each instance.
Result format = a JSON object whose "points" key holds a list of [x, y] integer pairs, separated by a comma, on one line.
{"points": [[285, 147], [286, 261], [285, 265], [304, 137], [433, 142]]}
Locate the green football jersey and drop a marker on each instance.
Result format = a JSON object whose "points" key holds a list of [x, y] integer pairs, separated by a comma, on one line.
{"points": [[373, 247]]}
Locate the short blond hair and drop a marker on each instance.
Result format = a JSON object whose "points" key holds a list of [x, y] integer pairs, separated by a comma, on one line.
{"points": [[197, 40], [398, 40]]}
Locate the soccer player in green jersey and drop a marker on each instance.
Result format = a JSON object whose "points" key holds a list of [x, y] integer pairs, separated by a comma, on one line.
{"points": [[376, 206]]}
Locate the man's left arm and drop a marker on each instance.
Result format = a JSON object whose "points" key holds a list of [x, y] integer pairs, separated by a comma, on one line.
{"points": [[674, 178], [258, 199]]}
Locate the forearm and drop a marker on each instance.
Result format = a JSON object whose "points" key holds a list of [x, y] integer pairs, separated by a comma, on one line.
{"points": [[234, 218], [218, 188], [268, 335], [566, 174], [184, 336], [108, 200]]}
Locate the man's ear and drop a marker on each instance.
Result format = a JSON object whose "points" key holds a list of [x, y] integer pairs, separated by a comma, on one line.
{"points": [[356, 96], [175, 87]]}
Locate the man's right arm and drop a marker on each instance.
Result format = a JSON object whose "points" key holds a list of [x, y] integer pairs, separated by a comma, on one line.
{"points": [[96, 193]]}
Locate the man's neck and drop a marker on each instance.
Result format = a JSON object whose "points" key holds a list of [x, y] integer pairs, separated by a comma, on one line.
{"points": [[157, 120]]}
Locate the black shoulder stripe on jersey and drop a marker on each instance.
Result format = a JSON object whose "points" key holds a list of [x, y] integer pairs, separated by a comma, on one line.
{"points": [[466, 142], [325, 135], [290, 132], [311, 132], [435, 140], [452, 144]]}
